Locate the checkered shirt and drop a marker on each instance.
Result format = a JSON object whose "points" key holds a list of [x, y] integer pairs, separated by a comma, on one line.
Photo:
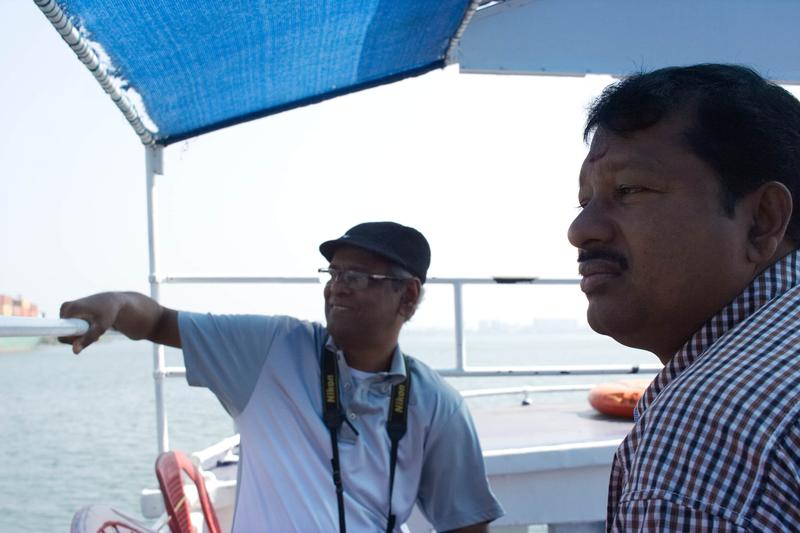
{"points": [[716, 444]]}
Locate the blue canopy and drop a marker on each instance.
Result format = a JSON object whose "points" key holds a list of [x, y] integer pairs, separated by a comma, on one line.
{"points": [[201, 65]]}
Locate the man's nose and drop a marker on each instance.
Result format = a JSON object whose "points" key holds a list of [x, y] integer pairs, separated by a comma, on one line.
{"points": [[592, 225]]}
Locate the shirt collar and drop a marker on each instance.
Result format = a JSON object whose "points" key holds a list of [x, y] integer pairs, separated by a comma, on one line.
{"points": [[397, 368], [771, 283]]}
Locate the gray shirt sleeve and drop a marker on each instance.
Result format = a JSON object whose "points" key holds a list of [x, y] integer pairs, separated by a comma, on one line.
{"points": [[454, 491], [225, 353]]}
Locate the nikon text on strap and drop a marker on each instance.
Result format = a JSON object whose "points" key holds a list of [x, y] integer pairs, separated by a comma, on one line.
{"points": [[396, 424], [333, 417]]}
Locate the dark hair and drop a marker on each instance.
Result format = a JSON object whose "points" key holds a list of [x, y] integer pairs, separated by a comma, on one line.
{"points": [[745, 127]]}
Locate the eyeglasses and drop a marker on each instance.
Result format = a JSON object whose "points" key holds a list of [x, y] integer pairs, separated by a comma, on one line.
{"points": [[353, 279]]}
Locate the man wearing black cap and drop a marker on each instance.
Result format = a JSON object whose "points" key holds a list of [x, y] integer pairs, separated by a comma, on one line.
{"points": [[339, 429]]}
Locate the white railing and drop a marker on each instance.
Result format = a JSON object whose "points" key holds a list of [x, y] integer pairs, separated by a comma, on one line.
{"points": [[12, 326], [525, 392], [461, 368], [23, 326]]}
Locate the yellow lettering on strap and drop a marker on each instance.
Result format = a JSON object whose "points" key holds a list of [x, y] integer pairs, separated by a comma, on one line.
{"points": [[330, 389], [401, 396]]}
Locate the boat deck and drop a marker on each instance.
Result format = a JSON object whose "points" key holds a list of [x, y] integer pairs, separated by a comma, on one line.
{"points": [[546, 424], [548, 463]]}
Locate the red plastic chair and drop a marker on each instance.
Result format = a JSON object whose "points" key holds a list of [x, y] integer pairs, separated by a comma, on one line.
{"points": [[169, 467]]}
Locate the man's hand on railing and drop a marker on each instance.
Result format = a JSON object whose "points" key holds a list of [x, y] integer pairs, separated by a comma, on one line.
{"points": [[99, 310], [134, 315]]}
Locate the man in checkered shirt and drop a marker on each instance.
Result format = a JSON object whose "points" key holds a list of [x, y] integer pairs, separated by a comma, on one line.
{"points": [[688, 241]]}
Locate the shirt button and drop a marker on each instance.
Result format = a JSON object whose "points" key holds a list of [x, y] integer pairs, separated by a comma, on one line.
{"points": [[348, 386], [352, 416]]}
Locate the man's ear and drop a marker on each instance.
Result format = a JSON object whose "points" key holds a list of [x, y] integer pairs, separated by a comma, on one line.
{"points": [[771, 211], [410, 298]]}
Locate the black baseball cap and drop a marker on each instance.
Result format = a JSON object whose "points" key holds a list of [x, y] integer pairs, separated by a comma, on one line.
{"points": [[399, 244]]}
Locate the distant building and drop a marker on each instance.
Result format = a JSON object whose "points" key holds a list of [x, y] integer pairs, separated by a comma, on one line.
{"points": [[10, 306]]}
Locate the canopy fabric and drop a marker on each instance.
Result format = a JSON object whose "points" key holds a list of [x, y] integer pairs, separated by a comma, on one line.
{"points": [[195, 66]]}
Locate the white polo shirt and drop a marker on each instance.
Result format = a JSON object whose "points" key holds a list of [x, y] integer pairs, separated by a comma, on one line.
{"points": [[266, 373]]}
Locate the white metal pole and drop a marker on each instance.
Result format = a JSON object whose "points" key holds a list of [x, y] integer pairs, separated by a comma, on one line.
{"points": [[461, 354], [154, 165]]}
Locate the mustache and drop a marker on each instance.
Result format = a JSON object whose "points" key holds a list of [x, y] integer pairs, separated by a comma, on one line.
{"points": [[603, 254]]}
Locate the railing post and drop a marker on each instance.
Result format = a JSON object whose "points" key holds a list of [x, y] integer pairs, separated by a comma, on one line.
{"points": [[154, 165], [461, 355]]}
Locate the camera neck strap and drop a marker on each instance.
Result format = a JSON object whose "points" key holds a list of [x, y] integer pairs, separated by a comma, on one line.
{"points": [[332, 415]]}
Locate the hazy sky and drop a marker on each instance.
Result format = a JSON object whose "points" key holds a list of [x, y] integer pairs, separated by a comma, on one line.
{"points": [[485, 166]]}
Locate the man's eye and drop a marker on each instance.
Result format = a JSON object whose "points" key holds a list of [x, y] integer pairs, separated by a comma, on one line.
{"points": [[624, 190]]}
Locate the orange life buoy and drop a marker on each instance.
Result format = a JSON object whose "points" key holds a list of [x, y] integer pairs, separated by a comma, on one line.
{"points": [[618, 398]]}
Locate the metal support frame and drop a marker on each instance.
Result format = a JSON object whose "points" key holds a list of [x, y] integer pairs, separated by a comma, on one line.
{"points": [[154, 165], [85, 50]]}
